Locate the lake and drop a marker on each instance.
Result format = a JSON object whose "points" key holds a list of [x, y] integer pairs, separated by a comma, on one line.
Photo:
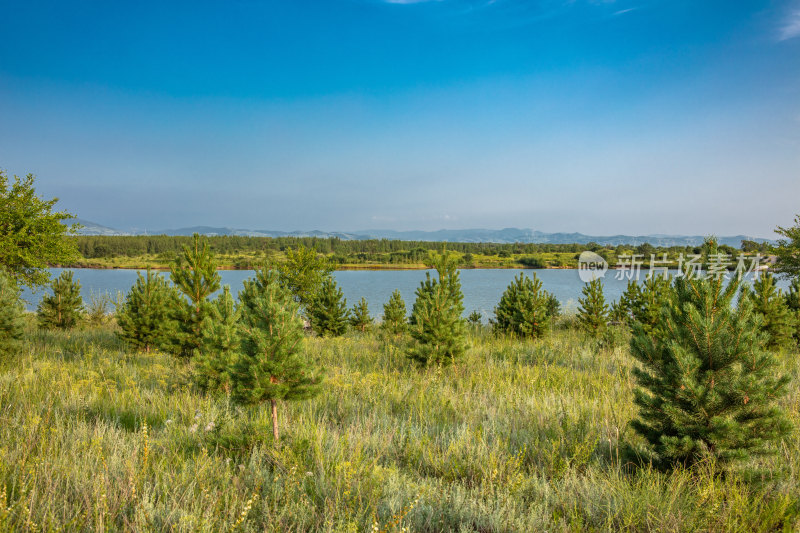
{"points": [[482, 287]]}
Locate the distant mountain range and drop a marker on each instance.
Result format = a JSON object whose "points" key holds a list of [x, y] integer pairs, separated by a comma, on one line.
{"points": [[507, 235]]}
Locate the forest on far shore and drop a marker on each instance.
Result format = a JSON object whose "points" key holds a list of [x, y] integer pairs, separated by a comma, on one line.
{"points": [[238, 252]]}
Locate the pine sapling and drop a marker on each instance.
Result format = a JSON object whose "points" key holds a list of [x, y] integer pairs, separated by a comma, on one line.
{"points": [[194, 273], [437, 326], [394, 315], [360, 318], [221, 341], [592, 311], [145, 315], [706, 387], [11, 316], [329, 313], [271, 365], [62, 309], [524, 308], [777, 322]]}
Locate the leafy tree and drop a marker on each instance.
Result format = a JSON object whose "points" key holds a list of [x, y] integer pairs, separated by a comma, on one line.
{"points": [[777, 321], [145, 316], [706, 387], [788, 250], [194, 273], [271, 366], [221, 342], [437, 326], [593, 311], [394, 314], [11, 316], [62, 309], [32, 235], [303, 273], [523, 308], [329, 314], [360, 318]]}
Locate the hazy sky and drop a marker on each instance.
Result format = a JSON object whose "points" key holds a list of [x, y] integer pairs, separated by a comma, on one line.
{"points": [[602, 117]]}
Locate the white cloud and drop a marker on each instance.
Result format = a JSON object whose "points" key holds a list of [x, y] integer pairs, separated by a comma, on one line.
{"points": [[791, 26]]}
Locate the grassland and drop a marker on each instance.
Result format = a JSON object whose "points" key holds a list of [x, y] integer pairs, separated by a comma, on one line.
{"points": [[521, 436]]}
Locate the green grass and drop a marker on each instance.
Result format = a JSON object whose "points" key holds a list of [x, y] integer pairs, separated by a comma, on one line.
{"points": [[520, 436]]}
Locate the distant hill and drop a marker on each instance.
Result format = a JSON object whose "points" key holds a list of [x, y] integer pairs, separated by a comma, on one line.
{"points": [[91, 228], [505, 236]]}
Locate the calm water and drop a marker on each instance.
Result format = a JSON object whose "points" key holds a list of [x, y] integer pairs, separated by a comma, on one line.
{"points": [[482, 288]]}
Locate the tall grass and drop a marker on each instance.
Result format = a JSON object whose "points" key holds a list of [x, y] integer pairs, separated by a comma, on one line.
{"points": [[520, 436]]}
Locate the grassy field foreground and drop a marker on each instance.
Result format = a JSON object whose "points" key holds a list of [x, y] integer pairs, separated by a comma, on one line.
{"points": [[521, 436]]}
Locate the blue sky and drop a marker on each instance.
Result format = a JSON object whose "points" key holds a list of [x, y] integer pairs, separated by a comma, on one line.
{"points": [[601, 117]]}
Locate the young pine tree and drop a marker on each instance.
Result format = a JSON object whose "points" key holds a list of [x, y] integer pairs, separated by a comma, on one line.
{"points": [[195, 275], [271, 366], [360, 318], [652, 296], [394, 315], [437, 327], [62, 309], [145, 316], [706, 387], [474, 319], [11, 316], [793, 304], [220, 347], [523, 308], [593, 311], [770, 305], [329, 314]]}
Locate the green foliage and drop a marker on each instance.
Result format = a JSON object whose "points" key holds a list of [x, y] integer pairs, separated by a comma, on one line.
{"points": [[552, 305], [788, 250], [63, 308], [706, 387], [11, 316], [777, 322], [360, 318], [98, 309], [437, 327], [474, 319], [271, 365], [303, 273], [145, 316], [194, 273], [643, 303], [32, 236], [221, 342], [394, 320], [793, 304], [524, 309], [593, 311], [329, 314]]}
